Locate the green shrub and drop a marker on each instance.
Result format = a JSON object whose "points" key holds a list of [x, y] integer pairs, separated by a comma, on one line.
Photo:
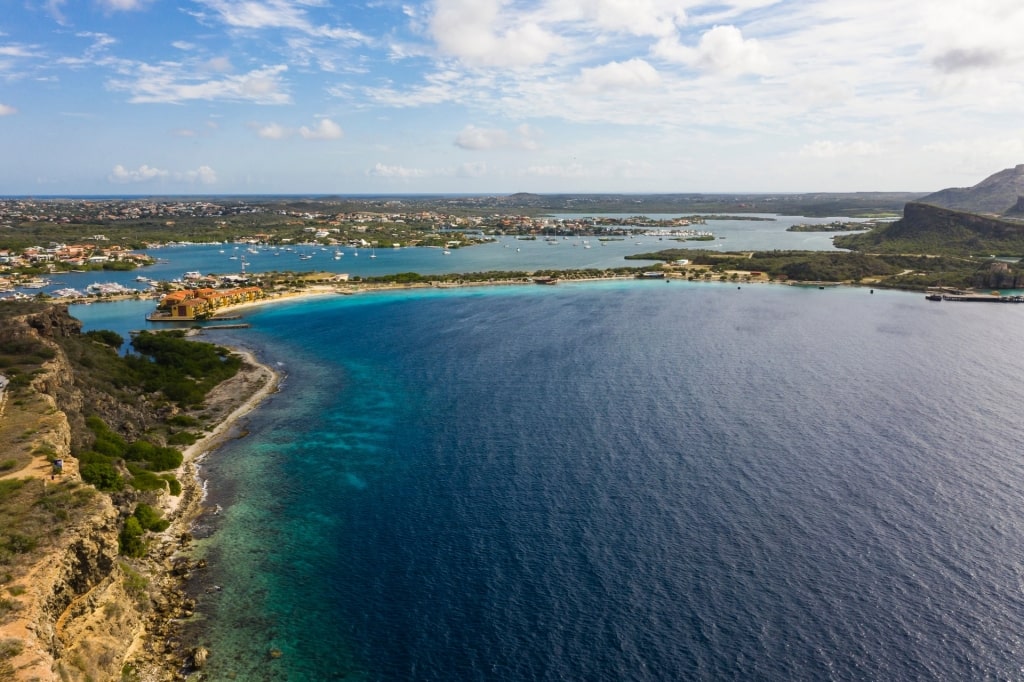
{"points": [[150, 518], [102, 475], [16, 543], [183, 420], [10, 486], [182, 438], [131, 541], [106, 337], [139, 451], [134, 583], [143, 479], [165, 459], [173, 483]]}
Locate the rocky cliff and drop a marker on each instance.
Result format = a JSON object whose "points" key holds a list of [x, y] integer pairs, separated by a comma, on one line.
{"points": [[73, 611]]}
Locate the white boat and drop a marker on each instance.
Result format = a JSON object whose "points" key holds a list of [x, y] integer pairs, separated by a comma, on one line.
{"points": [[107, 288]]}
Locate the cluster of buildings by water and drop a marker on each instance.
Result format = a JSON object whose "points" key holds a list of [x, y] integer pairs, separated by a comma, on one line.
{"points": [[194, 304]]}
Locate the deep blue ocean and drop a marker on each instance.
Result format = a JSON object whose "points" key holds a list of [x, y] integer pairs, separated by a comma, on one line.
{"points": [[622, 481]]}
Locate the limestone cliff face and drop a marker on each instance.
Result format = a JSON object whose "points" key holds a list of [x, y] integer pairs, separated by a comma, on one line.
{"points": [[78, 614]]}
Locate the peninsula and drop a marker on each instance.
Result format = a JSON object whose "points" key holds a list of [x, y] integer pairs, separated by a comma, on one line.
{"points": [[97, 490]]}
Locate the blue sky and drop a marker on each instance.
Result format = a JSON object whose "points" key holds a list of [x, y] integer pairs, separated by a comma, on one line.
{"points": [[501, 96]]}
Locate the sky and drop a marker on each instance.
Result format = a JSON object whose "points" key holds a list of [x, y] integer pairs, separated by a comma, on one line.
{"points": [[124, 97]]}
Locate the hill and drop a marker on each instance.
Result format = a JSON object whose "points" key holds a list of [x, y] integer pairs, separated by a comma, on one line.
{"points": [[997, 194], [933, 230]]}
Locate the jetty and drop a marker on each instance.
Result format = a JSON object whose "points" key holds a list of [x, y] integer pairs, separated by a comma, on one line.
{"points": [[960, 296]]}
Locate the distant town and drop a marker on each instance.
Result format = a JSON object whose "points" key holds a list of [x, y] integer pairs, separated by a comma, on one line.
{"points": [[47, 236]]}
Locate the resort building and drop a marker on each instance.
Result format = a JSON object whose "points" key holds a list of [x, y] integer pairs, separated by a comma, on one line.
{"points": [[191, 304]]}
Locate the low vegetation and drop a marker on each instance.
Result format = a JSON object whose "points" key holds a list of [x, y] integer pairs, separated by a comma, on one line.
{"points": [[880, 270], [127, 441]]}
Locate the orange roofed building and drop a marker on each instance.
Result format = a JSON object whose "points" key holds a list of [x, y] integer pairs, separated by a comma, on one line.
{"points": [[190, 304]]}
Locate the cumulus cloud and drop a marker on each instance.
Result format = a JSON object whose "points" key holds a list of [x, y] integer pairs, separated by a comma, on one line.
{"points": [[721, 49], [476, 32], [172, 83], [635, 74], [326, 129], [477, 139], [204, 175], [827, 149], [7, 110], [273, 131], [384, 171], [143, 173]]}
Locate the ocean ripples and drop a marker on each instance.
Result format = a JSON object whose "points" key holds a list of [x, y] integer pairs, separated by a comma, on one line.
{"points": [[627, 483]]}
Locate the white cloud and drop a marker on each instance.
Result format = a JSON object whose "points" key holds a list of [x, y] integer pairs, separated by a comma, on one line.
{"points": [[204, 175], [143, 173], [183, 45], [636, 17], [218, 65], [721, 49], [384, 171], [273, 131], [635, 74], [827, 149], [277, 14], [18, 51], [172, 83], [477, 139], [123, 5], [7, 110], [476, 32], [326, 129]]}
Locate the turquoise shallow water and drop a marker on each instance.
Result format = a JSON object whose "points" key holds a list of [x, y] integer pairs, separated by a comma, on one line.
{"points": [[622, 481]]}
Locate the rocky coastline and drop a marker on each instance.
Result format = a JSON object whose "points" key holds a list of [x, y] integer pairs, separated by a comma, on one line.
{"points": [[74, 608]]}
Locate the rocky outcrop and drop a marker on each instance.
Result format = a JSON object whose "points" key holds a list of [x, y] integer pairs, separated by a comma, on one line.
{"points": [[78, 613], [996, 194], [924, 219], [1017, 212]]}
